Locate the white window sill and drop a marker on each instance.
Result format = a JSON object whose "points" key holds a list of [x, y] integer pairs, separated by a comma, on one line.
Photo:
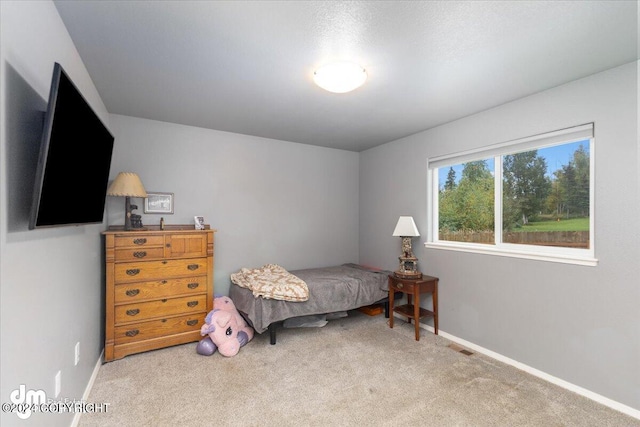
{"points": [[566, 256]]}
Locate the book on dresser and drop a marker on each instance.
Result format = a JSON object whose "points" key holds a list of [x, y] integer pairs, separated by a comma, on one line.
{"points": [[159, 287]]}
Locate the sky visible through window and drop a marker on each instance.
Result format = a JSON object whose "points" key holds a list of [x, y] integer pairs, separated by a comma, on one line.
{"points": [[556, 157]]}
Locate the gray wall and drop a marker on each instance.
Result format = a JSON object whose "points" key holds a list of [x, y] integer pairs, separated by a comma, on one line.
{"points": [[580, 324], [50, 280], [271, 201]]}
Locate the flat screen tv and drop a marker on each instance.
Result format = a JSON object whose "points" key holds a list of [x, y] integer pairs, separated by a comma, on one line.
{"points": [[75, 157]]}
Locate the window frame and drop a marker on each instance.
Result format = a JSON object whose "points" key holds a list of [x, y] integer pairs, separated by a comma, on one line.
{"points": [[496, 151]]}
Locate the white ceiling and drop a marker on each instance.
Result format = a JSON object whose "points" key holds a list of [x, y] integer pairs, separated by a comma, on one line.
{"points": [[247, 66]]}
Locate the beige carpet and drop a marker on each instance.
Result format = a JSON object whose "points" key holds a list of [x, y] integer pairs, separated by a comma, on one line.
{"points": [[354, 371]]}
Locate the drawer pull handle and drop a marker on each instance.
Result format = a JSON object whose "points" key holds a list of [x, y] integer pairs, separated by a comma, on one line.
{"points": [[164, 282], [133, 271], [192, 322], [193, 285], [164, 320], [164, 262], [164, 300], [133, 312], [140, 254], [193, 267], [133, 292], [140, 241], [132, 333], [192, 303]]}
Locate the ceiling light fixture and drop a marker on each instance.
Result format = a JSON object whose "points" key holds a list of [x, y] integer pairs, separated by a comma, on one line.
{"points": [[340, 77]]}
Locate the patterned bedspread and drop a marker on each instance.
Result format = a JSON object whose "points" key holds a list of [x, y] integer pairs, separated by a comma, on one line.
{"points": [[272, 281], [331, 289]]}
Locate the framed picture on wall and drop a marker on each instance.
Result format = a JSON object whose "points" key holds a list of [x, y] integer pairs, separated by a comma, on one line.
{"points": [[158, 203]]}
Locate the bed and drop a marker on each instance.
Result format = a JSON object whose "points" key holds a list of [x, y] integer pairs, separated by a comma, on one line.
{"points": [[331, 289]]}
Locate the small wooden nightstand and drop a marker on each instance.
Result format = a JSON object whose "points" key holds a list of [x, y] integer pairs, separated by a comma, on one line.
{"points": [[413, 288]]}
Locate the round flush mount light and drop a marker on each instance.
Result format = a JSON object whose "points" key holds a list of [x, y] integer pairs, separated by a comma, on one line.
{"points": [[340, 77]]}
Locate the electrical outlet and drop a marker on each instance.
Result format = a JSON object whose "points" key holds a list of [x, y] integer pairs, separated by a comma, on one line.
{"points": [[77, 354], [58, 383]]}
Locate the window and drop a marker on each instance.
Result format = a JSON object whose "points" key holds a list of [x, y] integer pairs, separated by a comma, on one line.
{"points": [[530, 198]]}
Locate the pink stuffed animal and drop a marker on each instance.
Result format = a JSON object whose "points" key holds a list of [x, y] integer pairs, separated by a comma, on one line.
{"points": [[226, 329]]}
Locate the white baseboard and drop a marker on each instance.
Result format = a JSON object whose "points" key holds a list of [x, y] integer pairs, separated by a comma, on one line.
{"points": [[635, 413], [87, 390]]}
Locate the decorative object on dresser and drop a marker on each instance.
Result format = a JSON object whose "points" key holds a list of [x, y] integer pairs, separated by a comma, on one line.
{"points": [[158, 203], [128, 184], [199, 222], [412, 310], [159, 287], [406, 228]]}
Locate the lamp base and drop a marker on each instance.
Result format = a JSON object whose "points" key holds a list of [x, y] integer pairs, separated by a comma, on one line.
{"points": [[132, 222], [407, 274], [408, 268]]}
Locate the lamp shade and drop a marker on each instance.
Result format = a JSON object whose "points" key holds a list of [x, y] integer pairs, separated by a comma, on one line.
{"points": [[406, 227], [127, 184], [340, 77]]}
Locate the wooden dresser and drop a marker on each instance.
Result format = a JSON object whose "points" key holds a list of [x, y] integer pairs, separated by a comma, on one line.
{"points": [[159, 287]]}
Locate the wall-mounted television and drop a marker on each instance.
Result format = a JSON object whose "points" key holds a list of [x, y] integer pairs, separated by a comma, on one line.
{"points": [[75, 157]]}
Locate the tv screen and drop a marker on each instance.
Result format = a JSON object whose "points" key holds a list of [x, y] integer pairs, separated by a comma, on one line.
{"points": [[75, 156]]}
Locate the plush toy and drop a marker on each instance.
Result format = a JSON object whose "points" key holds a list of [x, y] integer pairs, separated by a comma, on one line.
{"points": [[224, 329]]}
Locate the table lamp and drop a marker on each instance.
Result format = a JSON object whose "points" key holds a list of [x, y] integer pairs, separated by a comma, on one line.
{"points": [[128, 184], [406, 229]]}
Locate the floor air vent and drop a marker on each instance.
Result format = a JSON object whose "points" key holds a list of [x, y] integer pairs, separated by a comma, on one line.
{"points": [[459, 349]]}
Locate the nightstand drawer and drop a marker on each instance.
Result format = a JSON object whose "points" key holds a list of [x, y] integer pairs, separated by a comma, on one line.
{"points": [[403, 286], [139, 271], [164, 307], [133, 292], [158, 328]]}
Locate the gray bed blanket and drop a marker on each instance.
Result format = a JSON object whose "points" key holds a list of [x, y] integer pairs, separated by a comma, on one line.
{"points": [[331, 289]]}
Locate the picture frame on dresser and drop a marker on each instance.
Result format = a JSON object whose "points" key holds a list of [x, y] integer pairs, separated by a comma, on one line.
{"points": [[158, 203], [199, 220]]}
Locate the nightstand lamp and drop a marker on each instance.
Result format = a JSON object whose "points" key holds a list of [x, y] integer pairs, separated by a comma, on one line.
{"points": [[128, 184], [406, 228]]}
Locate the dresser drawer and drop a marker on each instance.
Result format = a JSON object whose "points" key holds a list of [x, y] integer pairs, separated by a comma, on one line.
{"points": [[148, 270], [142, 253], [138, 241], [158, 328], [133, 292], [162, 307]]}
